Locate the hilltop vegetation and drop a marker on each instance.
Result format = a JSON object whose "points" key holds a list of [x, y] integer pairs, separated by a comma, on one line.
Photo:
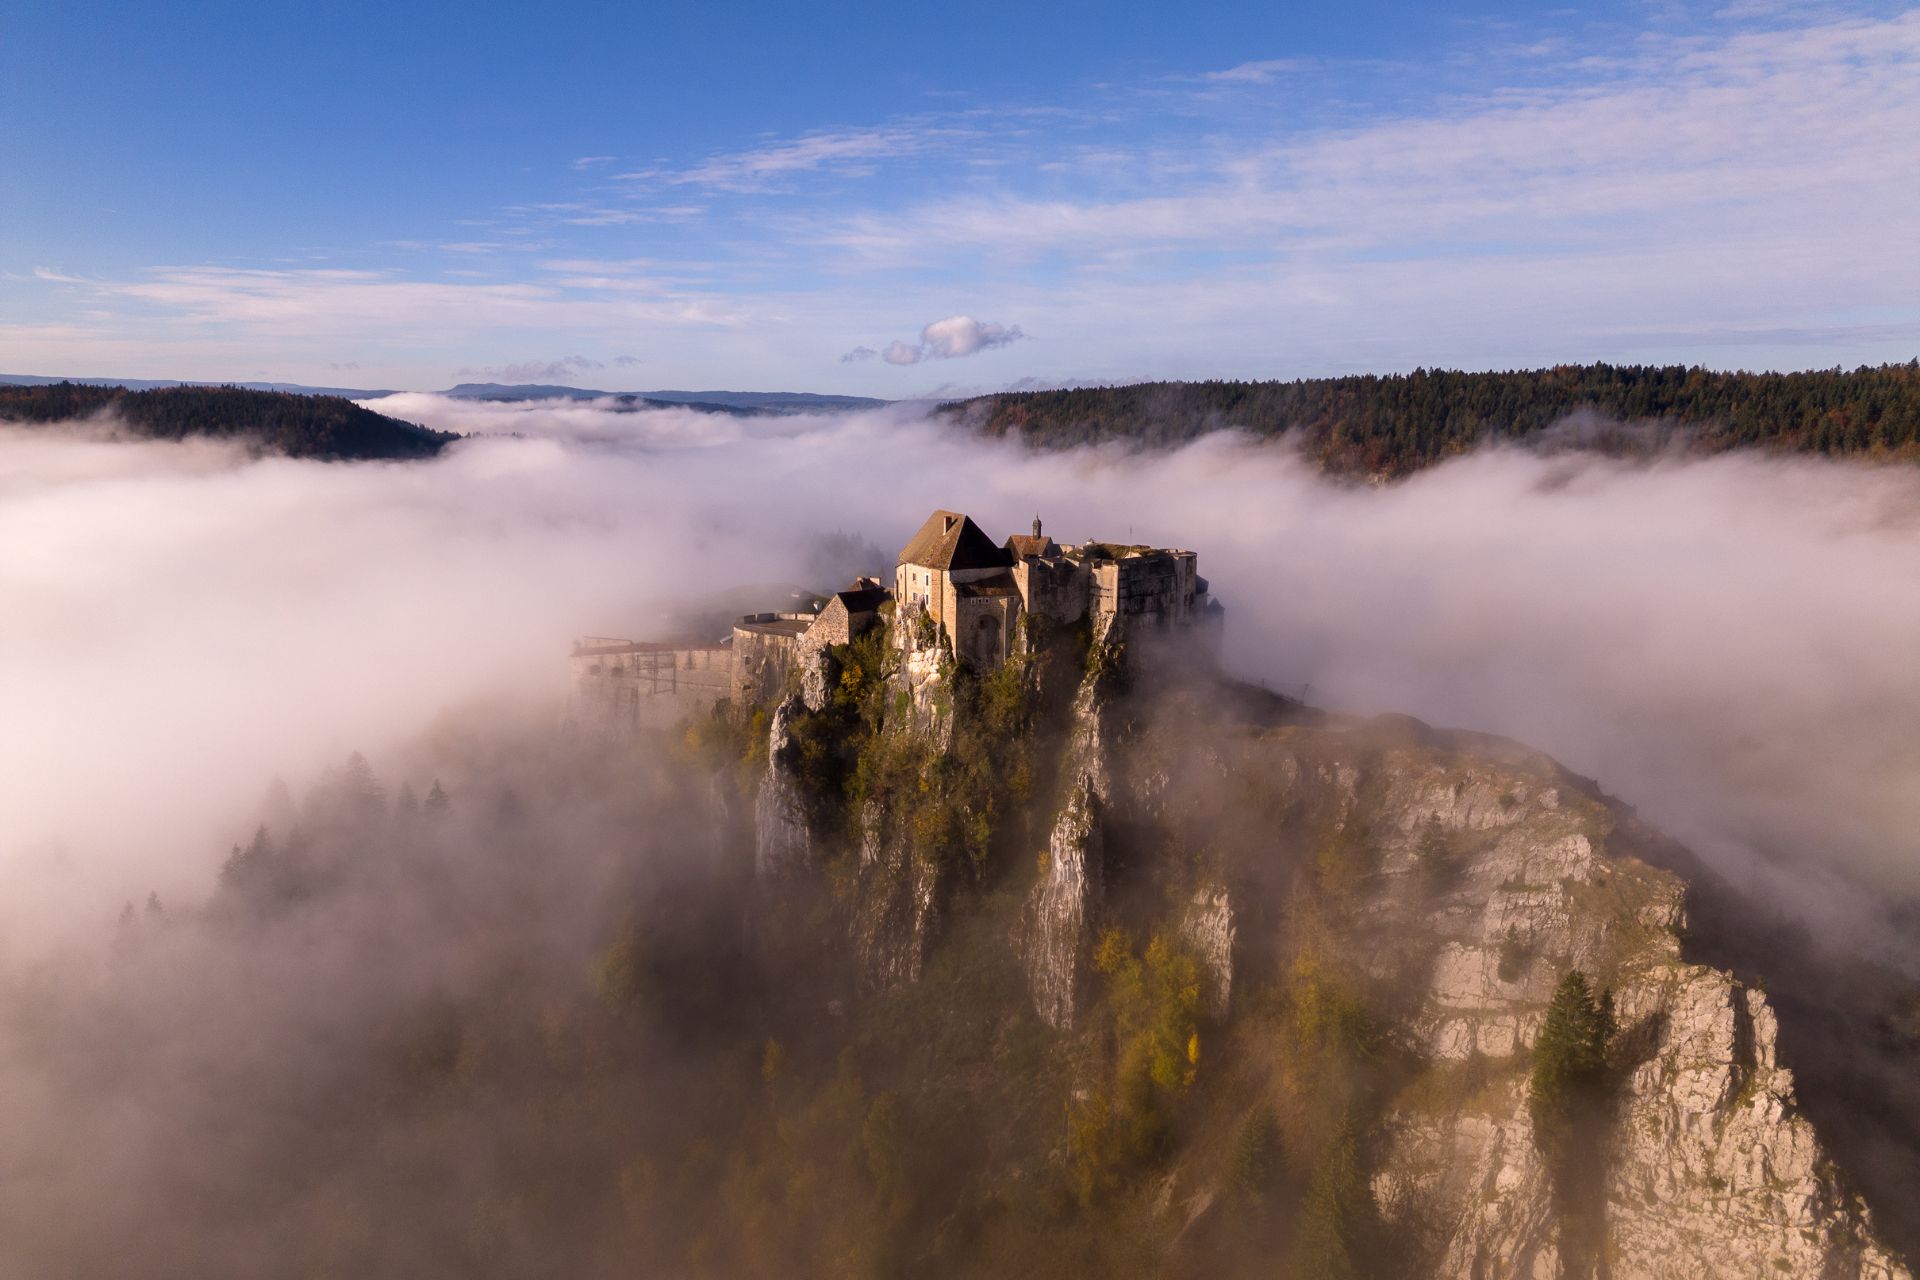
{"points": [[1395, 425], [325, 427]]}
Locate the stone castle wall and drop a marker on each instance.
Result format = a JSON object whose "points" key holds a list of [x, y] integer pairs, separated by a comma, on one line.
{"points": [[1058, 589], [620, 688], [1158, 585], [765, 646]]}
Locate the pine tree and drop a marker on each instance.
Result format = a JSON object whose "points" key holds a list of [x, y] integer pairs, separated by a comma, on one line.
{"points": [[361, 795], [1569, 1096], [1569, 1059], [437, 801], [1338, 1213]]}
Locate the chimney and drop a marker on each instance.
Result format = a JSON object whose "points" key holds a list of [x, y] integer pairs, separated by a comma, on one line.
{"points": [[1036, 526]]}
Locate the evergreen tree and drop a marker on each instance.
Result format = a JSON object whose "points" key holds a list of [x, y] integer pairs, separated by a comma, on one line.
{"points": [[1569, 1060], [1337, 1218], [361, 796], [1569, 1097]]}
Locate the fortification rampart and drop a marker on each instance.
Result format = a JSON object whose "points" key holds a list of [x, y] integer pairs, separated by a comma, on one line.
{"points": [[622, 686], [765, 646]]}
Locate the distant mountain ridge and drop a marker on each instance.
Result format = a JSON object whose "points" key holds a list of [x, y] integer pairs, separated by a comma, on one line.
{"points": [[156, 384], [706, 401], [327, 428], [712, 401]]}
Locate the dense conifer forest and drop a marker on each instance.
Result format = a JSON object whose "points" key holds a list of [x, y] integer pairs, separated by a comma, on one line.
{"points": [[1392, 426], [325, 427]]}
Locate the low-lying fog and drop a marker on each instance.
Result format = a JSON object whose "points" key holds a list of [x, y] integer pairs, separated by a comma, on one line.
{"points": [[1728, 644]]}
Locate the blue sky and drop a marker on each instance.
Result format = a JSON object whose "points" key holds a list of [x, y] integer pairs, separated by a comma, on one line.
{"points": [[903, 200]]}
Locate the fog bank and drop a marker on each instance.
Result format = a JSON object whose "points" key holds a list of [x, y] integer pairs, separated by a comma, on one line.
{"points": [[1725, 643]]}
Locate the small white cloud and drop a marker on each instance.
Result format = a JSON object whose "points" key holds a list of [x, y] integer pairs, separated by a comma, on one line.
{"points": [[627, 362], [592, 162], [947, 339], [963, 335]]}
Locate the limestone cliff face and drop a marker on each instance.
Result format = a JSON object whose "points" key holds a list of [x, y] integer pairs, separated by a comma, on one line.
{"points": [[1063, 906], [1208, 928], [1460, 878], [898, 903], [925, 674], [783, 844], [1711, 1171]]}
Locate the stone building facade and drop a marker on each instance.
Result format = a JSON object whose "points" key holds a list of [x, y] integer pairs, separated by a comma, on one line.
{"points": [[977, 594], [974, 593]]}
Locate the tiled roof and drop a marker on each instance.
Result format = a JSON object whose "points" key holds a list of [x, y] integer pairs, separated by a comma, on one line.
{"points": [[950, 540], [1022, 545], [863, 599]]}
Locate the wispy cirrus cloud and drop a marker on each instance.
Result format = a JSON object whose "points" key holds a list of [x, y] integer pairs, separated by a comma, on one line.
{"points": [[1732, 197], [1264, 71], [759, 169], [1689, 135]]}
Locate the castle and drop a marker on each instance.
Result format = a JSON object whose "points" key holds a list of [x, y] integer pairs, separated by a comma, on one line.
{"points": [[974, 597]]}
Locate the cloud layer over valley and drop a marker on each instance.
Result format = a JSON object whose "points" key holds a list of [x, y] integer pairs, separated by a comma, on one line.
{"points": [[1725, 643]]}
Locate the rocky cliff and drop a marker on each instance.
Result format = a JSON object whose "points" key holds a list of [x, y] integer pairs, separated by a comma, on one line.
{"points": [[1375, 916], [1484, 873], [1063, 906]]}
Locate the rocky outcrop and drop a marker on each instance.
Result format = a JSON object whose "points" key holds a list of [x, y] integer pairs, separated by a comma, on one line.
{"points": [[1063, 906], [1207, 928], [783, 842], [1711, 1171], [925, 673], [815, 669], [899, 902]]}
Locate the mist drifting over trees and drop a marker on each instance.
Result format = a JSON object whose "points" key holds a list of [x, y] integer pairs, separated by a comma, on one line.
{"points": [[485, 995]]}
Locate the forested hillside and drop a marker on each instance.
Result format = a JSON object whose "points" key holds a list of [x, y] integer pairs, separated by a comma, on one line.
{"points": [[1391, 426], [299, 426]]}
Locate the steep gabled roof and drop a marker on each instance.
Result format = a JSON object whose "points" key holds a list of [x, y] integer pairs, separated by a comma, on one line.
{"points": [[863, 599], [950, 540], [1022, 545]]}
